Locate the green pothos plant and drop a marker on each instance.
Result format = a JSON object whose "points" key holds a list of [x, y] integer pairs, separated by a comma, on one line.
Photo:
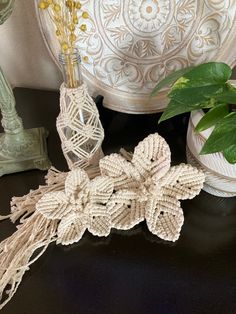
{"points": [[206, 87]]}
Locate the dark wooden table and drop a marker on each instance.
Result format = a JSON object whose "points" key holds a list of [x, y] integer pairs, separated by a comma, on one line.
{"points": [[133, 271]]}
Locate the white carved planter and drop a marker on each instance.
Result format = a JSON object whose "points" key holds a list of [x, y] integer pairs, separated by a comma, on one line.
{"points": [[220, 175]]}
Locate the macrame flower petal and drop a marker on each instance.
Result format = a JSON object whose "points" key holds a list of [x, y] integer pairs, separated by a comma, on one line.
{"points": [[152, 157], [101, 189], [183, 182], [112, 165], [126, 210], [99, 220], [76, 186], [53, 205], [164, 218], [123, 173], [72, 228]]}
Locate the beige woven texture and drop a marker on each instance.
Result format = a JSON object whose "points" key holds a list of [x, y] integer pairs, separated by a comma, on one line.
{"points": [[126, 191], [79, 127]]}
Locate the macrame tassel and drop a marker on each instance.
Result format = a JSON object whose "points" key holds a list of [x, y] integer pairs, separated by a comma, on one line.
{"points": [[17, 252], [33, 236], [34, 233]]}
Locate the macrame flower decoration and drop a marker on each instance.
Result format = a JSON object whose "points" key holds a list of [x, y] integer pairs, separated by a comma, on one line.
{"points": [[148, 188], [82, 205], [126, 191]]}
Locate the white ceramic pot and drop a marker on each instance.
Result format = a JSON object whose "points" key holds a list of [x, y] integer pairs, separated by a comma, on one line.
{"points": [[220, 175]]}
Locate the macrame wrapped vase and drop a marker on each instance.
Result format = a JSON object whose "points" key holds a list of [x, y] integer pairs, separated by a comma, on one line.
{"points": [[78, 123]]}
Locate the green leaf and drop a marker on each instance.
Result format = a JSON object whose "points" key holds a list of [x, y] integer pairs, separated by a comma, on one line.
{"points": [[170, 79], [211, 73], [203, 82], [223, 136], [228, 95], [197, 88], [230, 154], [212, 117], [174, 108], [195, 95]]}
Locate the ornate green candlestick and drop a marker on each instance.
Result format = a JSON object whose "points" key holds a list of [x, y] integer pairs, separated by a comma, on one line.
{"points": [[20, 149]]}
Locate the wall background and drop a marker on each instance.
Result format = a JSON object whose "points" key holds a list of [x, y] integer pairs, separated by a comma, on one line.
{"points": [[23, 55]]}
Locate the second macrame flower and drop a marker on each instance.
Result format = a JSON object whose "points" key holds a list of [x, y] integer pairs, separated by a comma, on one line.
{"points": [[126, 193], [82, 205]]}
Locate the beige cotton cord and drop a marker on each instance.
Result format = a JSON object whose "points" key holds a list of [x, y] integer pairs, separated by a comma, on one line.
{"points": [[79, 127], [122, 194]]}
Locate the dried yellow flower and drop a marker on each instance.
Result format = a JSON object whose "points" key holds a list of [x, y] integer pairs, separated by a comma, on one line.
{"points": [[69, 4], [72, 37], [71, 27], [78, 5], [64, 15], [85, 15], [64, 46], [43, 5], [57, 8], [83, 27], [75, 20], [85, 59]]}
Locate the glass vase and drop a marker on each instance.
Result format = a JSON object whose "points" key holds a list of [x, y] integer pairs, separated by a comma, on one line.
{"points": [[78, 123]]}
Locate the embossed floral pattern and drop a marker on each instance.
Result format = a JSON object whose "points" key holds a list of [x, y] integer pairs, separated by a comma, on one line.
{"points": [[148, 15], [149, 9], [144, 35]]}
